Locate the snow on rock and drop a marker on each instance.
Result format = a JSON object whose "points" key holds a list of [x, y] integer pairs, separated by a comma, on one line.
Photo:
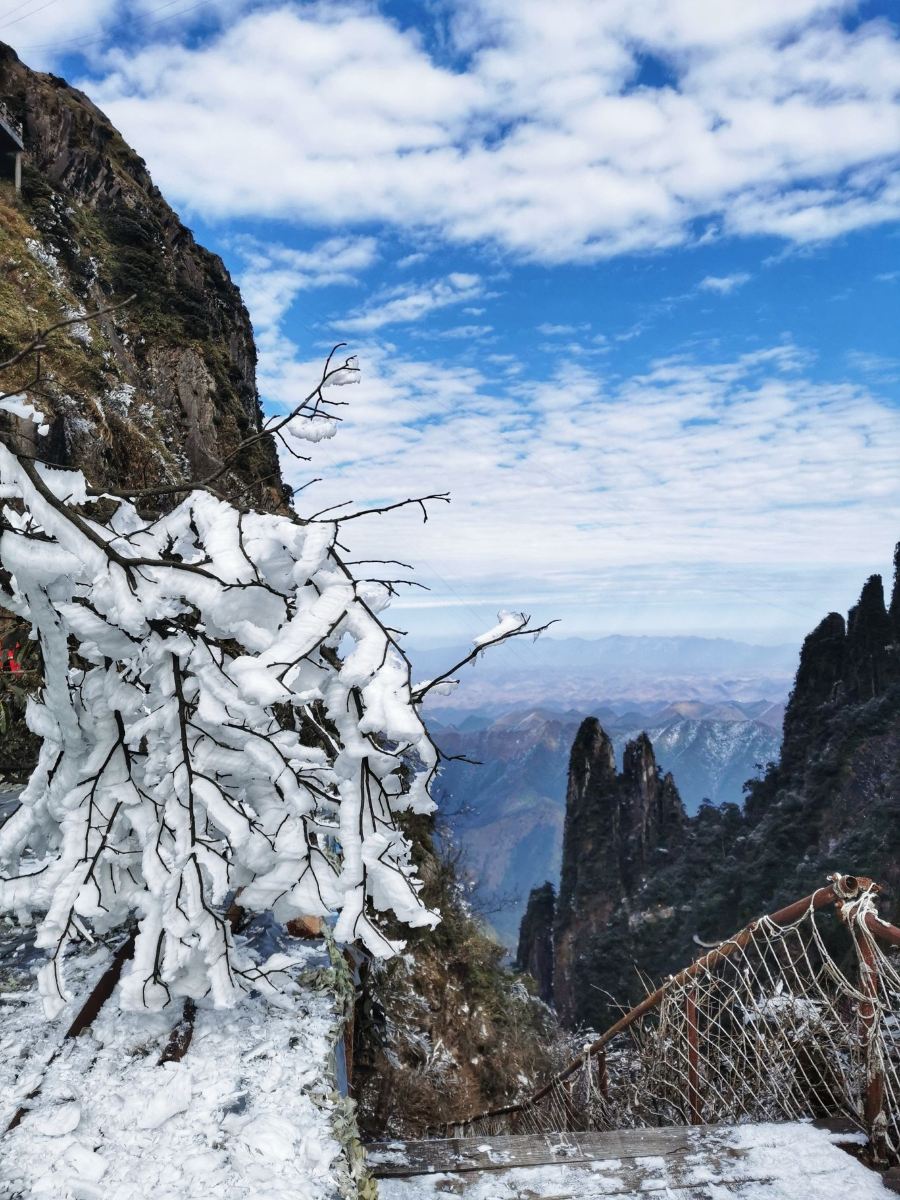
{"points": [[19, 407], [247, 1115], [27, 1042], [55, 1120], [172, 1096]]}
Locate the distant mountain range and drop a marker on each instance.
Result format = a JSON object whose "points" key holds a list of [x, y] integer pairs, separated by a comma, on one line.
{"points": [[563, 673], [506, 815], [641, 879]]}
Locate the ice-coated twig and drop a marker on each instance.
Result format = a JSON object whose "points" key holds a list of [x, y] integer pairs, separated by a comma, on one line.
{"points": [[510, 625], [224, 712]]}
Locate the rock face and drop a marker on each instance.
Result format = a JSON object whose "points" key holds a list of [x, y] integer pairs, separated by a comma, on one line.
{"points": [[506, 809], [155, 393], [535, 953], [163, 389], [617, 826], [834, 797], [445, 1030], [819, 677], [640, 882]]}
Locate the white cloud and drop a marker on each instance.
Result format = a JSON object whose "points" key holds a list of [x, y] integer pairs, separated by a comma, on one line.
{"points": [[39, 30], [44, 30], [466, 332], [563, 487], [723, 284], [402, 305], [879, 367], [272, 277], [777, 120], [548, 329]]}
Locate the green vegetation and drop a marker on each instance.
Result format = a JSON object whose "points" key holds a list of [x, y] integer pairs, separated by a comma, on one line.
{"points": [[446, 1029]]}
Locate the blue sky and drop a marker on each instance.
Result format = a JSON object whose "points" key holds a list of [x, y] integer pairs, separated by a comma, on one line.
{"points": [[623, 278]]}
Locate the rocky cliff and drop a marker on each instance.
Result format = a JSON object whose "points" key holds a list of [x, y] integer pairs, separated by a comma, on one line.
{"points": [[640, 884], [618, 825], [535, 952], [153, 393], [162, 389], [445, 1030], [833, 799]]}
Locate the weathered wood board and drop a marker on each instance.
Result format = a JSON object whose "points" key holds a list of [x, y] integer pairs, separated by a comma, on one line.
{"points": [[485, 1154], [754, 1162]]}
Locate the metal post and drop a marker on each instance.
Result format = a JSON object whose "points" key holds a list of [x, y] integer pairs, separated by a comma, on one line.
{"points": [[572, 1118], [873, 1108], [862, 922], [693, 1038], [602, 1073]]}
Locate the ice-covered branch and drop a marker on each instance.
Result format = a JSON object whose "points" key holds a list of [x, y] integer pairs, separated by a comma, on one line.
{"points": [[186, 661], [509, 625], [223, 712]]}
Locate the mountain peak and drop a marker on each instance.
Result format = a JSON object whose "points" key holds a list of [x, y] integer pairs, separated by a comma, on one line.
{"points": [[161, 389], [615, 825]]}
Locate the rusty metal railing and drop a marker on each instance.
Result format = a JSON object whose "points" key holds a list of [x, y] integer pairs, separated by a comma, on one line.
{"points": [[767, 1025], [11, 123]]}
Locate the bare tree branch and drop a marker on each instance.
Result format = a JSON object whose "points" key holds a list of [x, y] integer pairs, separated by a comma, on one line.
{"points": [[384, 508], [420, 693], [39, 341]]}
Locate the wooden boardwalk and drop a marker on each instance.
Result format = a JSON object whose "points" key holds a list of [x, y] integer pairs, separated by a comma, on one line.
{"points": [[753, 1162]]}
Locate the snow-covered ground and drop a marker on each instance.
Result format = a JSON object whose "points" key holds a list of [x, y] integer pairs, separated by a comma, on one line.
{"points": [[251, 1113], [791, 1161]]}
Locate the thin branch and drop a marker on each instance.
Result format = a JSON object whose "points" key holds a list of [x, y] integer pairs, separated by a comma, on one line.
{"points": [[39, 341], [385, 508], [420, 693]]}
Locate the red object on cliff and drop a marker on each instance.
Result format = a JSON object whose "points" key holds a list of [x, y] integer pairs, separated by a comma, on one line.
{"points": [[8, 661]]}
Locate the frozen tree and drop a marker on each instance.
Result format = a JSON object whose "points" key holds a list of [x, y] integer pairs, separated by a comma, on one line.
{"points": [[223, 712]]}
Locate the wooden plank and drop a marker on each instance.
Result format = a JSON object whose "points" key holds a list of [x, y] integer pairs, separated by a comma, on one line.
{"points": [[680, 1163], [398, 1158], [576, 1182], [579, 1182]]}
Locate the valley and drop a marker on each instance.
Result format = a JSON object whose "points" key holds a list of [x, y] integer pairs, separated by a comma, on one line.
{"points": [[501, 795]]}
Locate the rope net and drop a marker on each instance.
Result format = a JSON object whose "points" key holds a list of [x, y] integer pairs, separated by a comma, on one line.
{"points": [[787, 1020]]}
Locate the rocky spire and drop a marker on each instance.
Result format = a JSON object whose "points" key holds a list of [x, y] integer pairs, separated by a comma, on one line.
{"points": [[869, 633], [592, 816], [615, 826], [535, 953], [842, 664], [589, 879], [819, 679], [654, 814]]}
